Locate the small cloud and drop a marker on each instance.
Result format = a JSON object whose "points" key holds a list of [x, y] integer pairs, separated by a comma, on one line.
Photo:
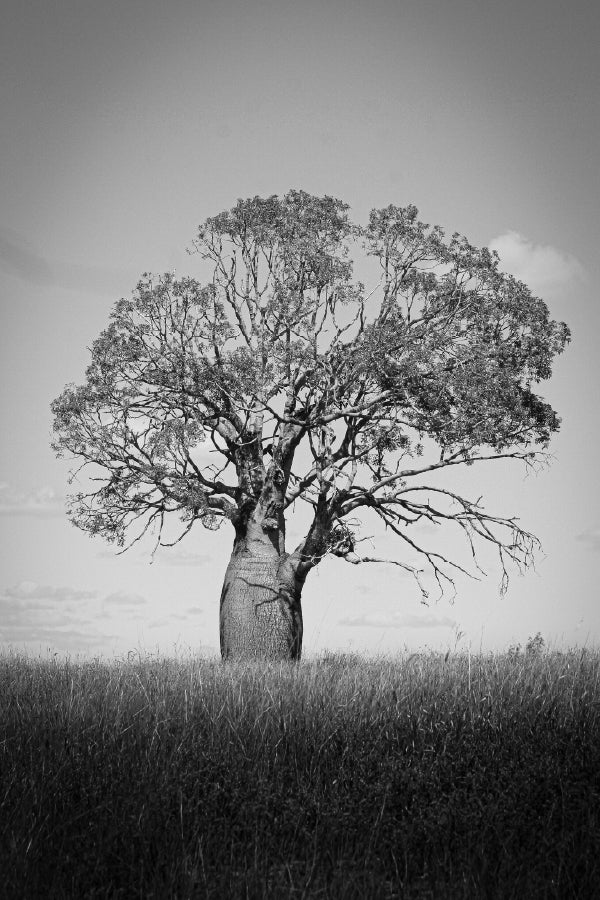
{"points": [[171, 557], [28, 591], [122, 598], [63, 638], [31, 614], [161, 557], [543, 268], [59, 615], [159, 623], [170, 617], [426, 621], [21, 259], [590, 537], [397, 620], [41, 502]]}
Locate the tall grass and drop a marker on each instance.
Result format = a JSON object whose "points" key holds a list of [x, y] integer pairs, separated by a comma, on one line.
{"points": [[414, 778]]}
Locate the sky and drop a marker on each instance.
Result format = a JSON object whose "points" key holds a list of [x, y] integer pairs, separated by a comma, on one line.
{"points": [[124, 125]]}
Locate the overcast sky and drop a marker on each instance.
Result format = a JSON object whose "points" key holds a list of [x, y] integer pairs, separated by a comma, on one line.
{"points": [[125, 124]]}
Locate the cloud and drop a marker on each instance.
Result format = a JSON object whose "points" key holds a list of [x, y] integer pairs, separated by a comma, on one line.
{"points": [[20, 258], [28, 591], [60, 615], [68, 618], [41, 502], [162, 557], [171, 557], [168, 556], [30, 614], [590, 537], [160, 623], [64, 638], [172, 616], [397, 620], [122, 598], [546, 270]]}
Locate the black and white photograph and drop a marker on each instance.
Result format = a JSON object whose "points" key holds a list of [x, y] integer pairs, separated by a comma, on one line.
{"points": [[299, 494]]}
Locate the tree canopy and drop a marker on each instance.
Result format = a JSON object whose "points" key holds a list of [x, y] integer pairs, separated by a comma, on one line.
{"points": [[308, 386]]}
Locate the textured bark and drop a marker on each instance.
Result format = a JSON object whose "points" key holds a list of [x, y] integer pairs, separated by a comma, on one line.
{"points": [[261, 614]]}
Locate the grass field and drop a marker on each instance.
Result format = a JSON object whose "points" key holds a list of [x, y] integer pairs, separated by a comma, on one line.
{"points": [[418, 777]]}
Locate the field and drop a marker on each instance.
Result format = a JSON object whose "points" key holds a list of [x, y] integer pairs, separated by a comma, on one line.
{"points": [[424, 776]]}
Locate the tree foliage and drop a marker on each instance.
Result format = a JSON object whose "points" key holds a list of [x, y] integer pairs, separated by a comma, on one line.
{"points": [[306, 386]]}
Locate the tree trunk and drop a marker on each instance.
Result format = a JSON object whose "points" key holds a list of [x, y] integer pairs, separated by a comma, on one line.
{"points": [[261, 615]]}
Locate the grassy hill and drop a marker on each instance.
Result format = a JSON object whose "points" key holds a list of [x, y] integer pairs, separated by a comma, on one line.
{"points": [[425, 776]]}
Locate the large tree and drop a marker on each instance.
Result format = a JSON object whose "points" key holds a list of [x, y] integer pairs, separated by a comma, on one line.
{"points": [[308, 388]]}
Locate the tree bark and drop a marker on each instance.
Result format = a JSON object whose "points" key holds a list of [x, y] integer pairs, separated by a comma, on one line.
{"points": [[261, 613]]}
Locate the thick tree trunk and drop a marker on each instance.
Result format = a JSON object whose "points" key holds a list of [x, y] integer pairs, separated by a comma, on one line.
{"points": [[261, 615]]}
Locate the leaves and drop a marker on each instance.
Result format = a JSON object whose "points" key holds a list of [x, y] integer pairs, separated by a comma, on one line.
{"points": [[283, 349]]}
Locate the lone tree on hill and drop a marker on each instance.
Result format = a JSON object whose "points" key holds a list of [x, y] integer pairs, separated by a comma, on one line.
{"points": [[306, 387]]}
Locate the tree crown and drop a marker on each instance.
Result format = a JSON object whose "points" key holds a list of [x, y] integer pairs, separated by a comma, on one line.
{"points": [[307, 386]]}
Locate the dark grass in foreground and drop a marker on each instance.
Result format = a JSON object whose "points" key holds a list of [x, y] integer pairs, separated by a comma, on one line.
{"points": [[355, 779]]}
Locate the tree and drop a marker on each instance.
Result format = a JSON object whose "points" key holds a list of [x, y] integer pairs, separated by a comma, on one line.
{"points": [[307, 388]]}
